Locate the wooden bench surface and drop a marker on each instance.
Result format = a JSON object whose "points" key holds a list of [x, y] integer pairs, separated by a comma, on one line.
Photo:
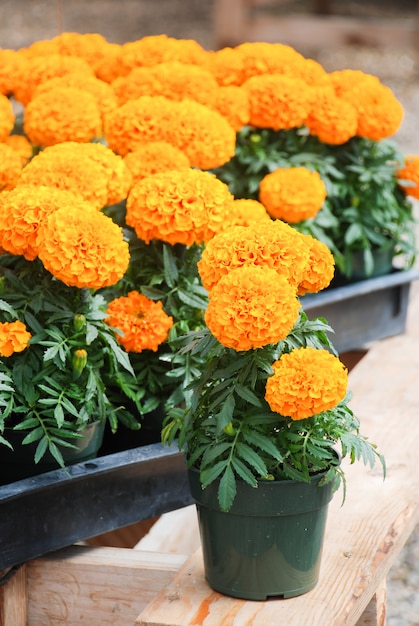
{"points": [[363, 537]]}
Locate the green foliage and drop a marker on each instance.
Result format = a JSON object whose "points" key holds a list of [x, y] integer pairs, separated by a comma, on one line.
{"points": [[44, 388], [229, 432], [365, 209]]}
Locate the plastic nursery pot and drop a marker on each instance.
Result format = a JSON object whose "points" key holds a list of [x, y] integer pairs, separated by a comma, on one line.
{"points": [[270, 542], [19, 463]]}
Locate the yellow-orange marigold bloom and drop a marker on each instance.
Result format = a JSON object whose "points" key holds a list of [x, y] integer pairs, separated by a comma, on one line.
{"points": [[62, 114], [14, 337], [247, 211], [91, 47], [410, 172], [153, 158], [331, 119], [22, 146], [83, 248], [262, 57], [155, 49], [272, 244], [10, 62], [379, 111], [38, 69], [227, 65], [92, 170], [233, 104], [7, 117], [102, 92], [278, 101], [320, 268], [24, 209], [202, 134], [179, 206], [173, 80], [306, 382], [292, 194], [251, 307], [143, 322], [10, 167]]}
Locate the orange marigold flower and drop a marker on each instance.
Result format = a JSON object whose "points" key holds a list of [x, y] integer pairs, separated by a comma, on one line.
{"points": [[153, 158], [22, 213], [410, 172], [7, 117], [251, 307], [233, 104], [156, 49], [102, 92], [22, 146], [91, 47], [331, 119], [62, 114], [269, 58], [83, 247], [173, 80], [306, 382], [10, 62], [228, 66], [247, 211], [14, 337], [292, 194], [143, 322], [272, 244], [179, 206], [92, 170], [202, 134], [38, 69], [10, 167], [379, 112], [320, 268], [278, 101]]}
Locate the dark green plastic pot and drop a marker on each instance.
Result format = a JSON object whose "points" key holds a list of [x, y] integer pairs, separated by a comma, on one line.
{"points": [[19, 463], [270, 542]]}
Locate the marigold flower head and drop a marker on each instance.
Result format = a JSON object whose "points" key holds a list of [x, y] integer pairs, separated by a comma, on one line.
{"points": [[278, 101], [10, 167], [10, 62], [379, 112], [14, 337], [83, 248], [331, 119], [228, 65], [92, 170], [251, 307], [153, 158], [179, 206], [233, 104], [269, 58], [292, 194], [410, 172], [143, 322], [155, 49], [102, 92], [173, 80], [247, 211], [38, 69], [91, 47], [22, 146], [320, 268], [7, 117], [272, 244], [306, 382], [24, 209], [62, 114]]}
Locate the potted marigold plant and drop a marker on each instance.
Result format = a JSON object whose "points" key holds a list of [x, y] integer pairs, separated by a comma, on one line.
{"points": [[268, 420]]}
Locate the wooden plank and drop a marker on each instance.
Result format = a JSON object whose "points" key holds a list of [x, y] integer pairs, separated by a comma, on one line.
{"points": [[375, 613], [363, 537], [96, 586], [13, 597], [175, 532]]}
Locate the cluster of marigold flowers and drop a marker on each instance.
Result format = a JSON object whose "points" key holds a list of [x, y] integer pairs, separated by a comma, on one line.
{"points": [[143, 122], [254, 276]]}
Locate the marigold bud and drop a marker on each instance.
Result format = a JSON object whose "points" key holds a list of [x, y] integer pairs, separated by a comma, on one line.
{"points": [[79, 362], [79, 321]]}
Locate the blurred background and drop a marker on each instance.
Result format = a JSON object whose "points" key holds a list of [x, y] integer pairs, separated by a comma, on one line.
{"points": [[380, 37]]}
